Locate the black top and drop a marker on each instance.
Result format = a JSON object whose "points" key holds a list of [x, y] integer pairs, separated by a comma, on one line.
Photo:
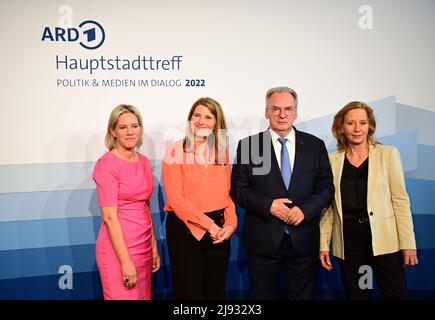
{"points": [[353, 187]]}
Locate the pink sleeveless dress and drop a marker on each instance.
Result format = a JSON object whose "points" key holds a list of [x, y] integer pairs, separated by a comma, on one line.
{"points": [[127, 186]]}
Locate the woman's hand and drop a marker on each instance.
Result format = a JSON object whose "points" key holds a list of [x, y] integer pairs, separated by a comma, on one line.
{"points": [[129, 274], [224, 234], [324, 260], [409, 257], [156, 257], [214, 231]]}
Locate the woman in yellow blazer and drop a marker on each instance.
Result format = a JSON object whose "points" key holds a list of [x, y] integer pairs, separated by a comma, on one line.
{"points": [[370, 220]]}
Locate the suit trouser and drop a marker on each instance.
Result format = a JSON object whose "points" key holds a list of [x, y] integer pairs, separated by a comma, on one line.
{"points": [[299, 273], [199, 268], [387, 268]]}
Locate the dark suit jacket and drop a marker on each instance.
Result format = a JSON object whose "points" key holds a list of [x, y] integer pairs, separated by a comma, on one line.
{"points": [[256, 181]]}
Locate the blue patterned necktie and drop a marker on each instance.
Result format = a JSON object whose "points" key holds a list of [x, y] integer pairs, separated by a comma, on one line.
{"points": [[286, 168]]}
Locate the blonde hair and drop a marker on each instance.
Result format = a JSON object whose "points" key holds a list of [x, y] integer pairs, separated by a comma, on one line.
{"points": [[338, 123], [218, 139], [110, 140]]}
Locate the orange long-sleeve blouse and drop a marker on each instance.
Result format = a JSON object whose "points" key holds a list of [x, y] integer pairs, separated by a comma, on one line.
{"points": [[193, 188]]}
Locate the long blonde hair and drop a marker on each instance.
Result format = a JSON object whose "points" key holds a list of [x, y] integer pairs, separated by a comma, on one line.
{"points": [[216, 140]]}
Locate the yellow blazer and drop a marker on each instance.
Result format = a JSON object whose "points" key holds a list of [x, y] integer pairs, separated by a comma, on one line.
{"points": [[387, 204]]}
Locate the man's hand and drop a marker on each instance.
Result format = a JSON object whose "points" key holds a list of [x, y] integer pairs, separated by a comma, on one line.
{"points": [[295, 217], [279, 209]]}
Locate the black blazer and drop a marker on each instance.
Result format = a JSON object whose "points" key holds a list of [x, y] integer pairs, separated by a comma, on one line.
{"points": [[256, 181]]}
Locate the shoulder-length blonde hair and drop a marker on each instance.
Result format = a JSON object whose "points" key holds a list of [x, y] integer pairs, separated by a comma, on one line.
{"points": [[338, 123], [216, 140], [110, 140]]}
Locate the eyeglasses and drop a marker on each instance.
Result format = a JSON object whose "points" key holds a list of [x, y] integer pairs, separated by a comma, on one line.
{"points": [[287, 111]]}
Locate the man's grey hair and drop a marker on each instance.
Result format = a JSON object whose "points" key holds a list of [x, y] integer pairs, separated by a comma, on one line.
{"points": [[271, 91]]}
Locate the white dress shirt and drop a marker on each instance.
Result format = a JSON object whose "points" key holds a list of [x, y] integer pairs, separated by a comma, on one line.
{"points": [[291, 139]]}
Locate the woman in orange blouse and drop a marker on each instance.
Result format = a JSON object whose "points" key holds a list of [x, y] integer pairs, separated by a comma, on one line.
{"points": [[201, 215]]}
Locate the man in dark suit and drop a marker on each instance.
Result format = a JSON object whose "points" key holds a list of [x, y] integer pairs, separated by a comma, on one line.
{"points": [[283, 180]]}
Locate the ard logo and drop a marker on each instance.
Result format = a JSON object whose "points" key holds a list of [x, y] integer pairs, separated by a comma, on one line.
{"points": [[89, 34]]}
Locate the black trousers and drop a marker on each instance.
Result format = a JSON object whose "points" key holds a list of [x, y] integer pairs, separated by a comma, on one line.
{"points": [[199, 268], [299, 273], [387, 268]]}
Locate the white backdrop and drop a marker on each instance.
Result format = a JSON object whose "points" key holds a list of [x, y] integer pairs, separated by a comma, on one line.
{"points": [[330, 52]]}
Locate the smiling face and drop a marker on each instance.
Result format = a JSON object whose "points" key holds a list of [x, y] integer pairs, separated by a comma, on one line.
{"points": [[127, 131], [356, 126], [281, 112], [203, 122]]}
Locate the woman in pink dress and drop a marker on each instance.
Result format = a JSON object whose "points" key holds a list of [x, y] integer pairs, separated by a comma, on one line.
{"points": [[126, 248]]}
